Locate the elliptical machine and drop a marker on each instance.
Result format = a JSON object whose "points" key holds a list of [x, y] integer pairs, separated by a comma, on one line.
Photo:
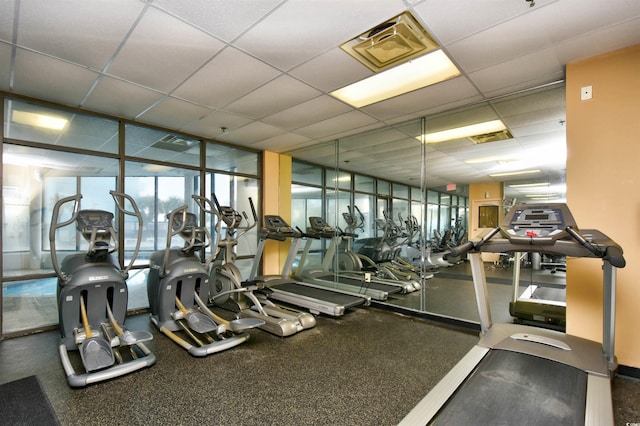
{"points": [[92, 297], [178, 286], [229, 290], [378, 255]]}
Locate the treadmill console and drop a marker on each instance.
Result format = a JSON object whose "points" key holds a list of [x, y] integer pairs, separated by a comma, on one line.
{"points": [[275, 226], [537, 223], [320, 228]]}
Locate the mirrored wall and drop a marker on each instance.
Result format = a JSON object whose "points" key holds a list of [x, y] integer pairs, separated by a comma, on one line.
{"points": [[401, 193]]}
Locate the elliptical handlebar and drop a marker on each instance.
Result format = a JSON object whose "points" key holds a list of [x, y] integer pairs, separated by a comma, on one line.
{"points": [[206, 206], [55, 226], [171, 233], [119, 198]]}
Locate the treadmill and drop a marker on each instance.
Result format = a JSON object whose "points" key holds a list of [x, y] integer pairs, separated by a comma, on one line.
{"points": [[316, 299], [519, 374], [362, 282], [540, 304]]}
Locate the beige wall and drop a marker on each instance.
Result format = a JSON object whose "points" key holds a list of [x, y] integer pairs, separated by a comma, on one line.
{"points": [[276, 199], [480, 194], [603, 177]]}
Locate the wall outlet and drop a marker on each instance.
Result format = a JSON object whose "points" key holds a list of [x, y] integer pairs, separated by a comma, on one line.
{"points": [[586, 93]]}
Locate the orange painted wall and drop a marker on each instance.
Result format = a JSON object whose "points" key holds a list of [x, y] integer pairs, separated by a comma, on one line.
{"points": [[603, 177], [276, 199]]}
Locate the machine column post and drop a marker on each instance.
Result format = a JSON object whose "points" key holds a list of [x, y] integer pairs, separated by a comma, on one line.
{"points": [[609, 314], [480, 287]]}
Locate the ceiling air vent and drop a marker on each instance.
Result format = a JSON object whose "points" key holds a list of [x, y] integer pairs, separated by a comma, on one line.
{"points": [[392, 42], [500, 135], [174, 143]]}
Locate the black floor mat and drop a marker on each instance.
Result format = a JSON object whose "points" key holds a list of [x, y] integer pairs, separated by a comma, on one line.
{"points": [[23, 402]]}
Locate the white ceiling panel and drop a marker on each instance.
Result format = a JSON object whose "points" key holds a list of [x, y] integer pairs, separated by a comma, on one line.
{"points": [[120, 98], [87, 33], [301, 26], [7, 10], [518, 74], [277, 95], [341, 123], [228, 77], [253, 132], [331, 70], [600, 40], [281, 143], [62, 82], [171, 48], [456, 19], [222, 18], [5, 66], [263, 71], [435, 96], [211, 125], [306, 113], [173, 113]]}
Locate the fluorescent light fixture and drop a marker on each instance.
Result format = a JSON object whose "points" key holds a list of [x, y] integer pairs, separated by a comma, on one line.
{"points": [[541, 196], [424, 71], [526, 185], [465, 131], [38, 120], [501, 160], [156, 168], [519, 172]]}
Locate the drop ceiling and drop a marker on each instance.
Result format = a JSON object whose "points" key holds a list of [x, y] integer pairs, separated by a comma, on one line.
{"points": [[258, 73]]}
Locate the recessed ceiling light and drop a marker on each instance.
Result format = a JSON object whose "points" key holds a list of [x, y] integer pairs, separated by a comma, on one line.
{"points": [[524, 185], [465, 131], [500, 160], [519, 172], [38, 120], [156, 168], [421, 72]]}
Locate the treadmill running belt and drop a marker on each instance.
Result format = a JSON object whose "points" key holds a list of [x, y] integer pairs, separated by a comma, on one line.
{"points": [[345, 300], [511, 388]]}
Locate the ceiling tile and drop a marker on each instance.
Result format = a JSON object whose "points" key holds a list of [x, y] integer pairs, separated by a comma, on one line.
{"points": [[120, 98], [600, 40], [173, 113], [331, 70], [211, 125], [280, 143], [162, 52], [521, 73], [276, 95], [439, 96], [62, 82], [301, 26], [87, 33], [335, 125], [306, 113], [7, 10], [452, 20], [5, 66], [221, 18], [251, 133], [229, 76]]}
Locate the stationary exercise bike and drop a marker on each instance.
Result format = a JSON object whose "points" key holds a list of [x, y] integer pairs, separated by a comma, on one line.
{"points": [[92, 297], [231, 291], [178, 288]]}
